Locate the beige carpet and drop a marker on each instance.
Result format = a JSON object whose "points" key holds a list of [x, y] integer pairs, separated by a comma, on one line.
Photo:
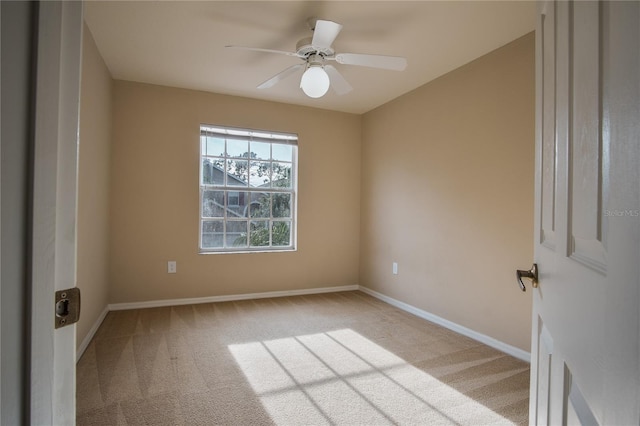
{"points": [[340, 358]]}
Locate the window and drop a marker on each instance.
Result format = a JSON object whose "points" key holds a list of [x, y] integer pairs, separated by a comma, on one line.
{"points": [[247, 190]]}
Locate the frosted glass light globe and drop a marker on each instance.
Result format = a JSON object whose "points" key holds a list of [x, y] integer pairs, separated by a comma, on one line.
{"points": [[315, 82]]}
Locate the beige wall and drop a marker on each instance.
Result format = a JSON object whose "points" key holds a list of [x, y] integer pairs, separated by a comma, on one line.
{"points": [[93, 185], [447, 192], [154, 202]]}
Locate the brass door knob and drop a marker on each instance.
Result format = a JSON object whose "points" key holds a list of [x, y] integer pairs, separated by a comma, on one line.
{"points": [[532, 274]]}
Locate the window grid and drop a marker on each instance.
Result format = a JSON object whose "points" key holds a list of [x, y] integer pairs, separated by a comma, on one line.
{"points": [[250, 205]]}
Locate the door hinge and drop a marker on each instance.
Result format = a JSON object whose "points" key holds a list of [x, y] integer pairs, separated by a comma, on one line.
{"points": [[67, 307]]}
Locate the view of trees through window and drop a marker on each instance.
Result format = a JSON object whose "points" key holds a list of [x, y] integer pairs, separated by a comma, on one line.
{"points": [[247, 190]]}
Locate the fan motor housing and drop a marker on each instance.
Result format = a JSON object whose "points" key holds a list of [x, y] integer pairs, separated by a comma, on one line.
{"points": [[305, 49]]}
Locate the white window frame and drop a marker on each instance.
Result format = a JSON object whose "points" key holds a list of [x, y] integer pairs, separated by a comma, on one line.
{"points": [[250, 135]]}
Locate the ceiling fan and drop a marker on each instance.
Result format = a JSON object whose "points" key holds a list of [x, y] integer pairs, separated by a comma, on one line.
{"points": [[315, 52]]}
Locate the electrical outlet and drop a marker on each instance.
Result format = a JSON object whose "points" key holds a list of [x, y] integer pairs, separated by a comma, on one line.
{"points": [[394, 268], [172, 267]]}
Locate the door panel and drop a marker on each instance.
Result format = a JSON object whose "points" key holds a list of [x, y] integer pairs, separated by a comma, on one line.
{"points": [[545, 351], [586, 332], [578, 411], [548, 186], [586, 144]]}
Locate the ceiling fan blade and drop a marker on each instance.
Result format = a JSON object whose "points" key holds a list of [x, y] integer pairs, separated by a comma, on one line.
{"points": [[324, 33], [395, 63], [281, 76], [338, 82], [258, 49]]}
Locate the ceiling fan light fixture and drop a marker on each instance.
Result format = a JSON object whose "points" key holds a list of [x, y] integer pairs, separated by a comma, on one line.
{"points": [[315, 81], [315, 51]]}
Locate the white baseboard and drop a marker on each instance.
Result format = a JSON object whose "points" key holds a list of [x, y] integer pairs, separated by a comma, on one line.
{"points": [[228, 298], [483, 338], [91, 333]]}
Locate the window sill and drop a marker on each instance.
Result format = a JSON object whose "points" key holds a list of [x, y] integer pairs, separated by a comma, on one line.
{"points": [[284, 250]]}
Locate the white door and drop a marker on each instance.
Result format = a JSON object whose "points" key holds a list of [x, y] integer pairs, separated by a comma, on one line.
{"points": [[52, 372], [586, 323]]}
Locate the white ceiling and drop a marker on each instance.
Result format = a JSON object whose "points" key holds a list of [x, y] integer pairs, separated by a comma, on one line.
{"points": [[181, 43]]}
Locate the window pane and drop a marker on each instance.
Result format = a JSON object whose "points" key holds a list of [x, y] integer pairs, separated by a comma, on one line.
{"points": [[236, 234], [212, 173], [260, 174], [282, 152], [281, 175], [260, 204], [213, 204], [281, 205], [246, 190], [261, 150], [237, 172], [259, 233], [215, 146], [237, 203], [238, 149], [281, 234], [212, 234]]}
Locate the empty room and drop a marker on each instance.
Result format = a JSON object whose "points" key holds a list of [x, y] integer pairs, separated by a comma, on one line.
{"points": [[323, 212]]}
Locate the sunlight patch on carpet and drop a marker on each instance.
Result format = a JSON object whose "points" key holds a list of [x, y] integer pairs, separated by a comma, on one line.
{"points": [[341, 377]]}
